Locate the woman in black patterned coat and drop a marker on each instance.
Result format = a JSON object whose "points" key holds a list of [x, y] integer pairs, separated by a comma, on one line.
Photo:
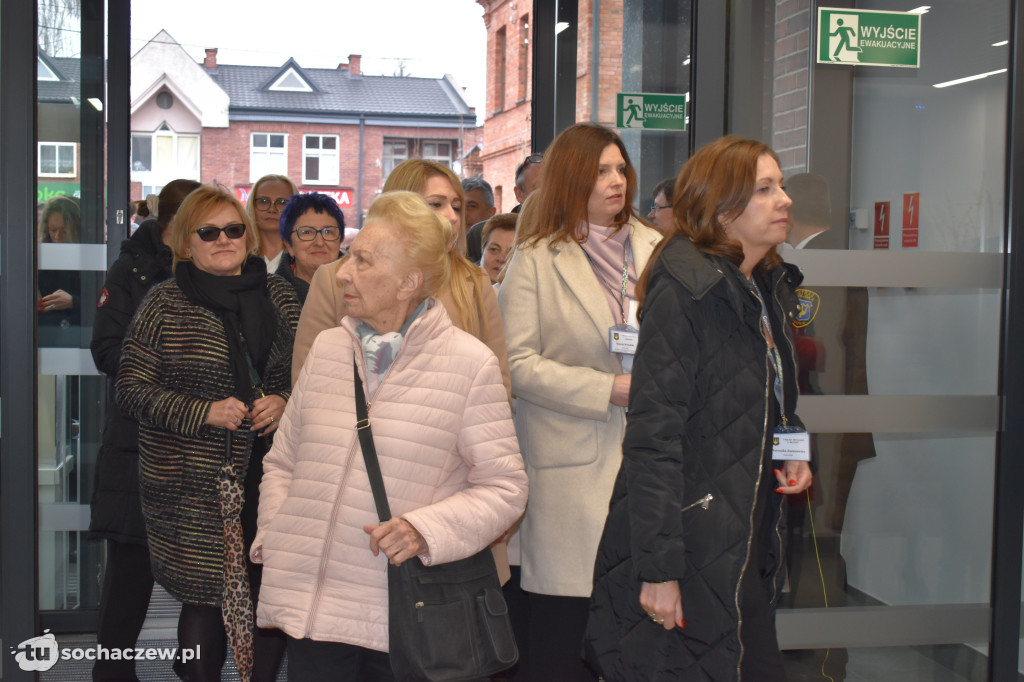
{"points": [[690, 563], [205, 371], [116, 514]]}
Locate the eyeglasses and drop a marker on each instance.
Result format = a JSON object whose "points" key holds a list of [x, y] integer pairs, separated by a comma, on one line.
{"points": [[308, 234], [655, 208], [211, 233], [264, 204]]}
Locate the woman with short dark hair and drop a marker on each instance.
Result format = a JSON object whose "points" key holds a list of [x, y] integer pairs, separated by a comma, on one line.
{"points": [[312, 226]]}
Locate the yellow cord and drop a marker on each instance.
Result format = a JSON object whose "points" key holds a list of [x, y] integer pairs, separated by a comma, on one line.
{"points": [[821, 574]]}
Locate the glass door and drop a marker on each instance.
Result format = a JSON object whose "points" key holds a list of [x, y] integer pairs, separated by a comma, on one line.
{"points": [[897, 177], [72, 259]]}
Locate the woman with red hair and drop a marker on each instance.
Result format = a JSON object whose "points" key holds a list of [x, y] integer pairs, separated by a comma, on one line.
{"points": [[568, 303], [690, 563]]}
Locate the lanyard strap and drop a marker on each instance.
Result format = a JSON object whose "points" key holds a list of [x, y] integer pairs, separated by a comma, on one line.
{"points": [[773, 351], [626, 253]]}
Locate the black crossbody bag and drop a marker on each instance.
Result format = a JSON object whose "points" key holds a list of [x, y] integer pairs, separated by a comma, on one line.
{"points": [[447, 622]]}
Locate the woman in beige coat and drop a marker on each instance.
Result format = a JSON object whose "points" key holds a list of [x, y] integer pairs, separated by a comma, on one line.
{"points": [[567, 291]]}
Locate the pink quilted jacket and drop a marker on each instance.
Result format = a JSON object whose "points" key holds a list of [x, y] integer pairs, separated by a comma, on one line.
{"points": [[451, 465]]}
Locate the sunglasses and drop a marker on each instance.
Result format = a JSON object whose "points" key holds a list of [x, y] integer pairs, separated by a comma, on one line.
{"points": [[534, 158], [210, 233]]}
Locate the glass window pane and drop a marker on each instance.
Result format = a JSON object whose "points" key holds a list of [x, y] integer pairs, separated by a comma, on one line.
{"points": [[312, 142], [47, 158], [165, 161], [277, 141], [66, 159], [259, 140], [142, 153], [188, 157], [330, 142], [312, 168]]}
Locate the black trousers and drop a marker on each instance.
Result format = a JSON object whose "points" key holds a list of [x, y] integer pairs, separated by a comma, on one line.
{"points": [[127, 587], [554, 640], [204, 625], [310, 661]]}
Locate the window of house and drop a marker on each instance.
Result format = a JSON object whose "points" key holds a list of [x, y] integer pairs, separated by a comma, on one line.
{"points": [[268, 154], [163, 155], [395, 152], [290, 81], [438, 151], [320, 159], [57, 159], [499, 69]]}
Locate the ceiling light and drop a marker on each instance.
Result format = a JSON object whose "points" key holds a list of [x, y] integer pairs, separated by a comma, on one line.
{"points": [[561, 26], [923, 9], [96, 103], [958, 81], [1001, 43]]}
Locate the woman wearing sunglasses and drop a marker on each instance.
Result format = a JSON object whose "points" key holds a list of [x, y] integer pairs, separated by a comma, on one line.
{"points": [[267, 200], [312, 226], [205, 371]]}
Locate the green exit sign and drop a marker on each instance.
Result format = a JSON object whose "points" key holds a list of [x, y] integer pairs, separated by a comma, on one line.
{"points": [[869, 38], [650, 111]]}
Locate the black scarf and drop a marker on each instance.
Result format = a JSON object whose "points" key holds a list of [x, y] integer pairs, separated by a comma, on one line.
{"points": [[242, 303]]}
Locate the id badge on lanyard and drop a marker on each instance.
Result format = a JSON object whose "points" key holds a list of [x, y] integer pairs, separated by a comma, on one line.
{"points": [[791, 443], [624, 337]]}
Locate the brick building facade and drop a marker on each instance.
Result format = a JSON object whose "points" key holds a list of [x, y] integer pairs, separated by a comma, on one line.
{"points": [[507, 124], [332, 130]]}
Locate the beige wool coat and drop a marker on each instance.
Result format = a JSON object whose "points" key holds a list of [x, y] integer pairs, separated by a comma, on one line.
{"points": [[556, 324]]}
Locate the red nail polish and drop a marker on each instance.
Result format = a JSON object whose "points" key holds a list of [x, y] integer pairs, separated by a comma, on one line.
{"points": [[776, 472], [778, 490], [792, 482], [682, 623]]}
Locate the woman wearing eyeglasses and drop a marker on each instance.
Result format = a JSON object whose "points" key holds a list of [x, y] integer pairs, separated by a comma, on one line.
{"points": [[205, 371], [266, 202], [311, 228]]}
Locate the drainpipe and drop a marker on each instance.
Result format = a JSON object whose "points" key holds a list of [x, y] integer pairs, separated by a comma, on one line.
{"points": [[359, 187]]}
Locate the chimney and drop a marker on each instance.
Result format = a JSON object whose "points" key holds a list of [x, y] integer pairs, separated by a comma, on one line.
{"points": [[342, 66], [353, 64], [210, 63]]}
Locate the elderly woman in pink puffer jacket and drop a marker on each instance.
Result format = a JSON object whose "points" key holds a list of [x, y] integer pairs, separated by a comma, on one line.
{"points": [[443, 434]]}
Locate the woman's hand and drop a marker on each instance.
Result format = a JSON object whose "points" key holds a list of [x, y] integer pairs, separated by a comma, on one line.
{"points": [[620, 390], [266, 413], [256, 554], [397, 539], [227, 414], [662, 603], [793, 477], [58, 300]]}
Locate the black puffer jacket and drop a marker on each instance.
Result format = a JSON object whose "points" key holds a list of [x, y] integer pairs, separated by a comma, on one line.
{"points": [[144, 261], [700, 420]]}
